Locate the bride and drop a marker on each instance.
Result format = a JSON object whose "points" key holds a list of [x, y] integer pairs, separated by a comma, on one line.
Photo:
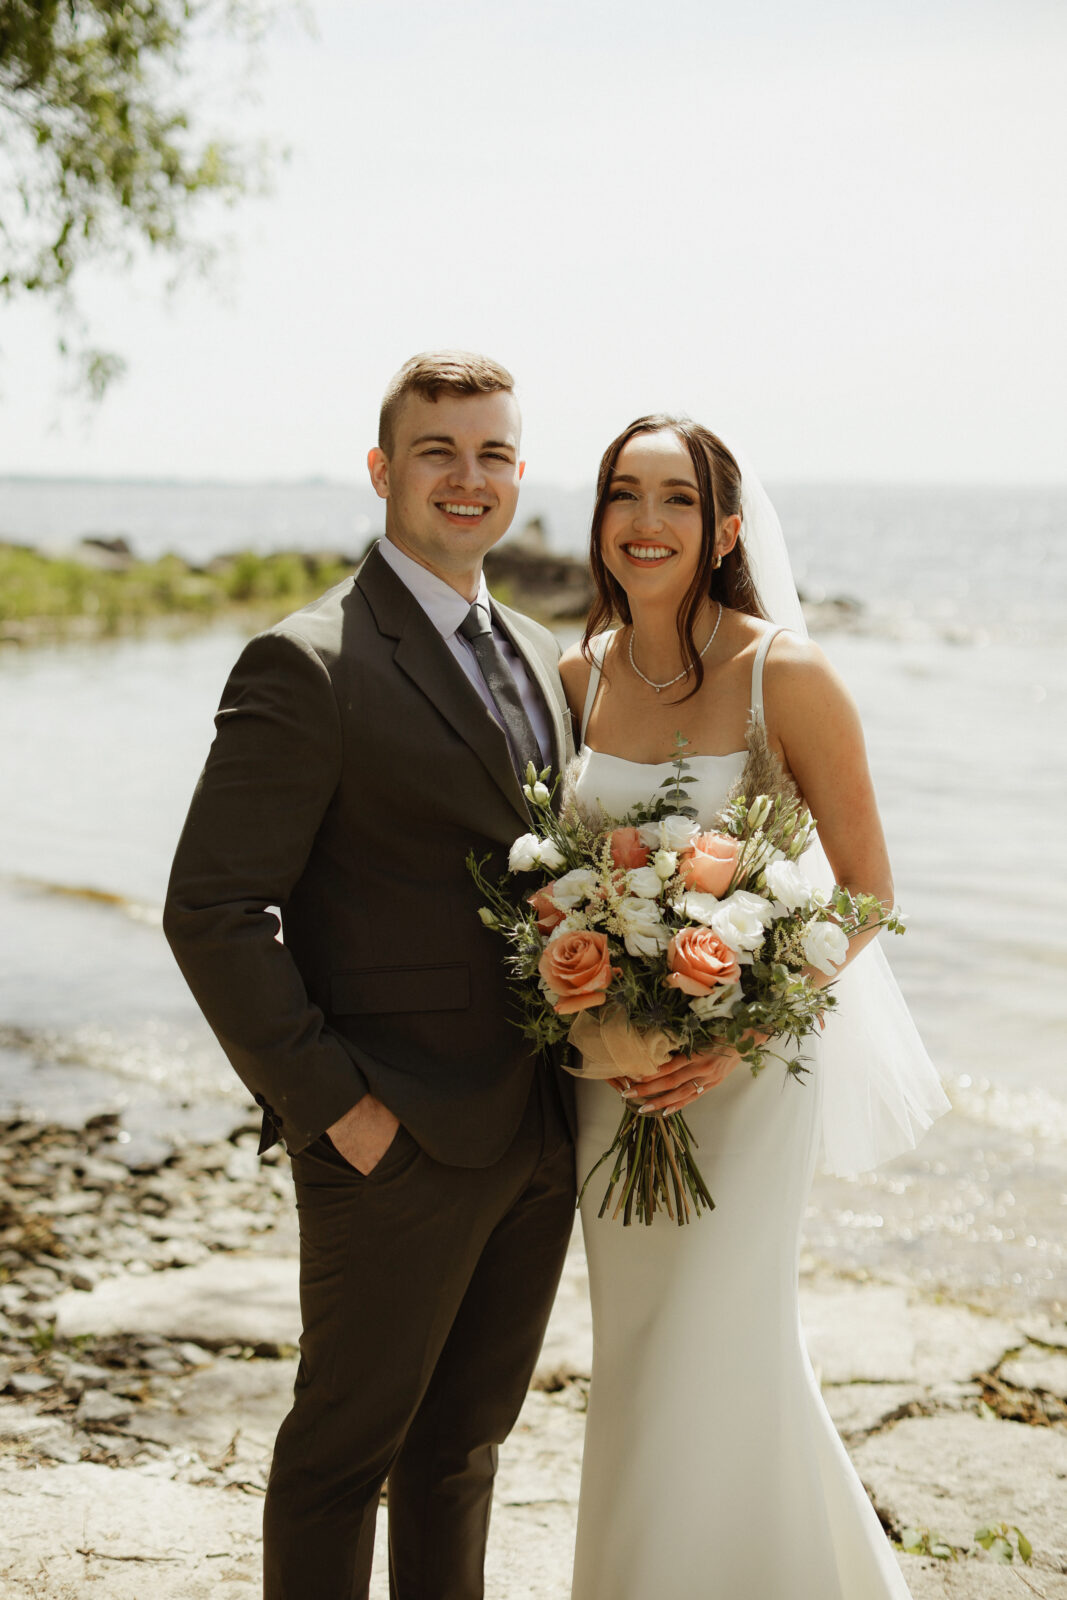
{"points": [[712, 1470]]}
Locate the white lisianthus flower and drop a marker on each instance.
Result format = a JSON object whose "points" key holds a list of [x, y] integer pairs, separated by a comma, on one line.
{"points": [[645, 882], [719, 1003], [665, 864], [525, 853], [741, 920], [489, 918], [787, 884], [697, 907], [551, 856], [574, 887], [642, 927], [529, 852], [670, 833], [759, 811], [536, 793], [825, 946]]}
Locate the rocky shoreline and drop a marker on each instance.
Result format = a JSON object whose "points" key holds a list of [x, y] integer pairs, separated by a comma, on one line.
{"points": [[148, 1321], [99, 588]]}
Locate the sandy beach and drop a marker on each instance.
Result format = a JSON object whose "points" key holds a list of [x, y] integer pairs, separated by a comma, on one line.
{"points": [[148, 1318]]}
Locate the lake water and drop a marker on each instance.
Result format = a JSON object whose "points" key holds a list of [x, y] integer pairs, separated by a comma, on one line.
{"points": [[961, 678]]}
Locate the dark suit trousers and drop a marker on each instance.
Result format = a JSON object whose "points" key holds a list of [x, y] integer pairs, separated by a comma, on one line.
{"points": [[424, 1293]]}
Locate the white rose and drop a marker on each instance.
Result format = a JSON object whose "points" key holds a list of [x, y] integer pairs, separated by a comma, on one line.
{"points": [[741, 920], [719, 1003], [525, 853], [574, 887], [642, 927], [665, 864], [670, 833], [645, 882], [787, 883], [825, 946], [551, 856]]}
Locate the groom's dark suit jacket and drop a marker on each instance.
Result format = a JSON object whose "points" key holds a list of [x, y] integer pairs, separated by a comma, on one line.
{"points": [[353, 768]]}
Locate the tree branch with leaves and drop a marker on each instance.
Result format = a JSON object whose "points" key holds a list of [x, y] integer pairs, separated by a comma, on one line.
{"points": [[99, 148]]}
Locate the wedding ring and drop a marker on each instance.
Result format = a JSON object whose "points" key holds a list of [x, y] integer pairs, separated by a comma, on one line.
{"points": [[697, 1085]]}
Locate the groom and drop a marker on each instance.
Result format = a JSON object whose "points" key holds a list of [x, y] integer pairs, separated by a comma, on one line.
{"points": [[363, 747]]}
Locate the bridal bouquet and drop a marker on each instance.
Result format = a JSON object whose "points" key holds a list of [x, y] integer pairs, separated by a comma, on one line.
{"points": [[634, 939]]}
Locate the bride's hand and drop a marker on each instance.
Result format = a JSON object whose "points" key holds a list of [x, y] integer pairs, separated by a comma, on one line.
{"points": [[683, 1079]]}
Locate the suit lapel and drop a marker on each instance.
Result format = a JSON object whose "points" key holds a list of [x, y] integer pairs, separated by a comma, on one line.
{"points": [[422, 655]]}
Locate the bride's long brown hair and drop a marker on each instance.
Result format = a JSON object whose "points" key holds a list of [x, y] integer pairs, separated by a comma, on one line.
{"points": [[719, 480]]}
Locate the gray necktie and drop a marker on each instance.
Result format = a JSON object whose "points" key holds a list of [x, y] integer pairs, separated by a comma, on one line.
{"points": [[477, 629]]}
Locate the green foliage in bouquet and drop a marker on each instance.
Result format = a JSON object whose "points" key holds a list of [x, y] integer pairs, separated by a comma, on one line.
{"points": [[648, 928]]}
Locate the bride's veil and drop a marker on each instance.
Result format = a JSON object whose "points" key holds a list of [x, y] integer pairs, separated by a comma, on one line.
{"points": [[880, 1090]]}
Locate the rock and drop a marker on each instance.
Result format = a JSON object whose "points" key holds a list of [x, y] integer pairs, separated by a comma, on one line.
{"points": [[97, 1174], [243, 1164], [954, 1475], [1040, 1330], [99, 1405], [968, 1580], [856, 1408], [213, 1405], [162, 1361], [30, 1382], [20, 1421], [542, 1461], [139, 1152], [126, 1534], [193, 1354], [878, 1333], [1038, 1369], [57, 1444], [227, 1299]]}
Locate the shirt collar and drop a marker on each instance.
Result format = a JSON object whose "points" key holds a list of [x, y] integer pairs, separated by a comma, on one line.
{"points": [[445, 606]]}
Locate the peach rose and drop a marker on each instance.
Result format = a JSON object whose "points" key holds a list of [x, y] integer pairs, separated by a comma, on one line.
{"points": [[577, 966], [700, 962], [627, 850], [549, 915], [709, 865]]}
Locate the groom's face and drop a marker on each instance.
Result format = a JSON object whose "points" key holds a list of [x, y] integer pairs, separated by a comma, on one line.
{"points": [[451, 481]]}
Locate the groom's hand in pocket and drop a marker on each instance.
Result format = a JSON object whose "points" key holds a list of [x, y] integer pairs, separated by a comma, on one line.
{"points": [[364, 1134]]}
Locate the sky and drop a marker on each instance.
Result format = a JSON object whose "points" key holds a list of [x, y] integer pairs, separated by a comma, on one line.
{"points": [[833, 231]]}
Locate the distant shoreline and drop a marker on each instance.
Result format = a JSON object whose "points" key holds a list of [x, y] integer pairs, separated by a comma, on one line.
{"points": [[99, 588]]}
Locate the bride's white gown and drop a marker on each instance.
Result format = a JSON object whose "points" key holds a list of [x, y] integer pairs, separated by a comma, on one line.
{"points": [[712, 1470]]}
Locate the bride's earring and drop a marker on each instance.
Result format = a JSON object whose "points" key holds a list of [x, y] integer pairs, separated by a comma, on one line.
{"points": [[717, 563]]}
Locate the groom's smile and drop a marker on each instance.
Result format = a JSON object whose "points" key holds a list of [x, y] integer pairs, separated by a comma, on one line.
{"points": [[451, 481], [465, 513]]}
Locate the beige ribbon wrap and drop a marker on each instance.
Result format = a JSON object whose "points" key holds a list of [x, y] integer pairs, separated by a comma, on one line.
{"points": [[611, 1048]]}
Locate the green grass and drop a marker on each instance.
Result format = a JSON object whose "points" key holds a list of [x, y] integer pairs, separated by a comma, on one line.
{"points": [[49, 595]]}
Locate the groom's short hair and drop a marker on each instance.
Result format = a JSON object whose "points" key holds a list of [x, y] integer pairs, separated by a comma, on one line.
{"points": [[454, 371]]}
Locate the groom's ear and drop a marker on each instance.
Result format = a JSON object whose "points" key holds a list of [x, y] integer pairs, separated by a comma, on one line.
{"points": [[378, 467]]}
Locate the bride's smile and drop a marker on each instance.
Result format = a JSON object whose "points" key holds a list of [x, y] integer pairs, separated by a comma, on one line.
{"points": [[652, 520]]}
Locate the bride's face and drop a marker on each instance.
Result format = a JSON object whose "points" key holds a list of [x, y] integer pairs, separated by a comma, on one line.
{"points": [[652, 531]]}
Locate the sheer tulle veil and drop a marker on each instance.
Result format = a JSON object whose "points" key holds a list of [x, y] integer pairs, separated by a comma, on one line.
{"points": [[880, 1090]]}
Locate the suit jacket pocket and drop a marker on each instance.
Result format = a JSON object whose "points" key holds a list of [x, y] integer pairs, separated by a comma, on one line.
{"points": [[386, 989]]}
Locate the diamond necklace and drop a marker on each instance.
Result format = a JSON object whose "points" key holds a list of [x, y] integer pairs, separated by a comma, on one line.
{"points": [[681, 675]]}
